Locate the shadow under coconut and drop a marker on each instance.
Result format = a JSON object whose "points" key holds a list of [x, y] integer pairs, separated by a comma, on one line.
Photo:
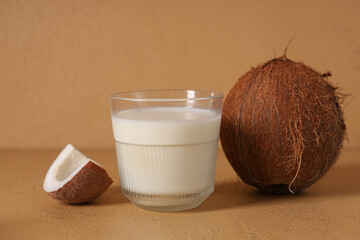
{"points": [[111, 196], [235, 195], [338, 182]]}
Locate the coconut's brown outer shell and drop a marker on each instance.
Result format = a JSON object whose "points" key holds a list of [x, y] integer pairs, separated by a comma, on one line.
{"points": [[282, 125], [89, 183]]}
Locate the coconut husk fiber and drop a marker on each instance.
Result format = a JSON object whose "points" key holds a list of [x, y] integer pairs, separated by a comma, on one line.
{"points": [[282, 127]]}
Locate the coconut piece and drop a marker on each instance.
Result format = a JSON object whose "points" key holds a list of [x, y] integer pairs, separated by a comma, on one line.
{"points": [[74, 178]]}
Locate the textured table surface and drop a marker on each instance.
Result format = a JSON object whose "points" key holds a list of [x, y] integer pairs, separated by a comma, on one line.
{"points": [[330, 209]]}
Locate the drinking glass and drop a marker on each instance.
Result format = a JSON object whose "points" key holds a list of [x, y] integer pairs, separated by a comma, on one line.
{"points": [[166, 146]]}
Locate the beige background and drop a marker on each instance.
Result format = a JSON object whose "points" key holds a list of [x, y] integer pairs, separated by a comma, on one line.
{"points": [[59, 60]]}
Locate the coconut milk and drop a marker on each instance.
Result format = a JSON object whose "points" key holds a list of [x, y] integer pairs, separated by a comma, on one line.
{"points": [[166, 151]]}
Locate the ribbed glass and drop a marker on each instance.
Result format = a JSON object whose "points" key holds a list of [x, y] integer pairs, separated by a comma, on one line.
{"points": [[166, 143], [168, 177]]}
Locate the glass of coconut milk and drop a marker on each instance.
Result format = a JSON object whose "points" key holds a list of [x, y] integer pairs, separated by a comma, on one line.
{"points": [[166, 145]]}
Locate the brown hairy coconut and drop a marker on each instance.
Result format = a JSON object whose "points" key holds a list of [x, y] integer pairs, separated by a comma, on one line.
{"points": [[282, 126]]}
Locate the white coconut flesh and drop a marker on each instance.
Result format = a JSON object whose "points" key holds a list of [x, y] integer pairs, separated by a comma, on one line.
{"points": [[69, 162]]}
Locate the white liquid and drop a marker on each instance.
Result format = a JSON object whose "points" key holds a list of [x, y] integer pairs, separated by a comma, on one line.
{"points": [[166, 151]]}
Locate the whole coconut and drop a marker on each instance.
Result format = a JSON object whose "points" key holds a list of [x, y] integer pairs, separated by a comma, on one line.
{"points": [[282, 126]]}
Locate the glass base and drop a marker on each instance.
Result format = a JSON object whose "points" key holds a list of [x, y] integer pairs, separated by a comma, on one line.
{"points": [[167, 203]]}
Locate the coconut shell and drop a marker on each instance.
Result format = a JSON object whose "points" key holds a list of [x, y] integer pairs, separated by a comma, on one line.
{"points": [[282, 127], [89, 183]]}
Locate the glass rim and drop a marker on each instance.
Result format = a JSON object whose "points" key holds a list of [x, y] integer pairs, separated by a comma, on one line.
{"points": [[212, 95]]}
